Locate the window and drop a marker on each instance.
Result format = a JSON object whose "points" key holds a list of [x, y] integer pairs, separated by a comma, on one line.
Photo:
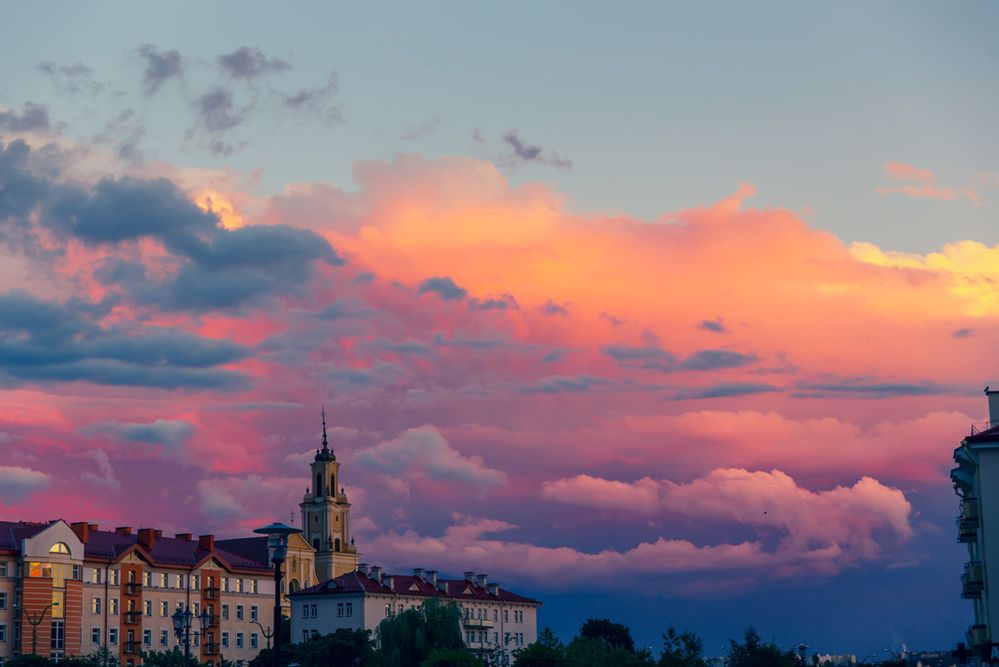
{"points": [[59, 548], [95, 604], [506, 615], [163, 580], [197, 638], [196, 582], [314, 610], [58, 634], [239, 640], [77, 573], [113, 636], [350, 609], [253, 586], [147, 578], [3, 632], [225, 584], [147, 607], [197, 609], [305, 635], [495, 614], [114, 606], [388, 609], [164, 608], [95, 635], [313, 634], [239, 585], [3, 568], [305, 611], [225, 612], [225, 640], [115, 577], [180, 605], [164, 637], [180, 581], [254, 640], [239, 612], [253, 612], [95, 576], [339, 609], [147, 637], [3, 600]]}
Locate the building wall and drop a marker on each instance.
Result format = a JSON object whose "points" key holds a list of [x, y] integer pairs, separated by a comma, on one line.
{"points": [[988, 538], [8, 562]]}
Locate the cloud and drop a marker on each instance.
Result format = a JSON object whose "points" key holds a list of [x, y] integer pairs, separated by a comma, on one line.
{"points": [[524, 153], [171, 433], [34, 118], [550, 308], [315, 101], [557, 384], [444, 287], [502, 302], [71, 79], [217, 111], [709, 360], [725, 390], [864, 388], [716, 325], [651, 356], [422, 129], [424, 451], [922, 185], [160, 67], [105, 479], [241, 503], [901, 171], [17, 483], [641, 496], [249, 62], [963, 332]]}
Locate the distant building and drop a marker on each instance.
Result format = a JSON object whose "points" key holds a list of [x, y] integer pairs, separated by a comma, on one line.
{"points": [[976, 481], [494, 620]]}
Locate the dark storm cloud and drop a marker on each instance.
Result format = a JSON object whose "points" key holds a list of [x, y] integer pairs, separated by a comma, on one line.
{"points": [[249, 62], [523, 153], [33, 118], [160, 66], [715, 326], [444, 287], [46, 341]]}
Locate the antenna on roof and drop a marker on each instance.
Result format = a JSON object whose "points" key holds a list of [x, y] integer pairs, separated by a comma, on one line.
{"points": [[291, 521]]}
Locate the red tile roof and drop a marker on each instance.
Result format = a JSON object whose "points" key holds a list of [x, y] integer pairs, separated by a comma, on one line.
{"points": [[406, 585]]}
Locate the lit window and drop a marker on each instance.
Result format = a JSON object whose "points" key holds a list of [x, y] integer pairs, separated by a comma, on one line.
{"points": [[147, 578], [95, 576], [163, 580], [148, 607], [164, 608], [115, 577], [253, 586], [59, 548], [95, 604], [114, 606]]}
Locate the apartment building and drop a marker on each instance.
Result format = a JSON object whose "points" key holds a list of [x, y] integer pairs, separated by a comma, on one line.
{"points": [[494, 620], [976, 482], [69, 589]]}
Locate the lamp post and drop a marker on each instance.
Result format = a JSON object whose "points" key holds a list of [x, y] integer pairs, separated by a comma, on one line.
{"points": [[35, 620], [277, 548], [801, 651], [182, 628], [268, 633]]}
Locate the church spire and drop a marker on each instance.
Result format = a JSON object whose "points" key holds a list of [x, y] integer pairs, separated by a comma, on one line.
{"points": [[325, 454]]}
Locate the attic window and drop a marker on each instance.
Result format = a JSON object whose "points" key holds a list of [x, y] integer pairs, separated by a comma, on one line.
{"points": [[414, 587], [59, 548], [468, 590], [330, 585]]}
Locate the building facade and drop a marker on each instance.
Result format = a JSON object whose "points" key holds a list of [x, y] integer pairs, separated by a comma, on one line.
{"points": [[976, 482], [495, 621], [70, 590]]}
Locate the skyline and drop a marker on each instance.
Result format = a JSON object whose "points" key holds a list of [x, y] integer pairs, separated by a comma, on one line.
{"points": [[633, 312]]}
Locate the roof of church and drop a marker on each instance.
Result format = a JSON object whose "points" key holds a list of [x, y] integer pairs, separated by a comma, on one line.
{"points": [[455, 589]]}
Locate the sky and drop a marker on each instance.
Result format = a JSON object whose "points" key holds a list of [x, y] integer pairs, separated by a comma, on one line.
{"points": [[671, 315]]}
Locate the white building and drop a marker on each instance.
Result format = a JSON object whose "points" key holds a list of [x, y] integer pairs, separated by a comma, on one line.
{"points": [[976, 481], [493, 618]]}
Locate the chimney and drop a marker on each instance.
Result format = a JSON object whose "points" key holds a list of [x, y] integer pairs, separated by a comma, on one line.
{"points": [[470, 576], [418, 573], [184, 536], [362, 568], [123, 530], [993, 395], [493, 589], [93, 527], [442, 584], [376, 573], [147, 538], [158, 533], [388, 581], [82, 530], [432, 578], [206, 542]]}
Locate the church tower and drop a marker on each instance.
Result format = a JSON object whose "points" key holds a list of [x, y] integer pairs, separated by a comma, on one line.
{"points": [[326, 516]]}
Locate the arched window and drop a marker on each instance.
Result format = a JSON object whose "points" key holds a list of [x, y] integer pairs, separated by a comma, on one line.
{"points": [[333, 484], [59, 548], [319, 485], [337, 544], [294, 586]]}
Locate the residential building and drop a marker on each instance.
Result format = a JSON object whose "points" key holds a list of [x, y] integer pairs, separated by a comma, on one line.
{"points": [[494, 620], [976, 482]]}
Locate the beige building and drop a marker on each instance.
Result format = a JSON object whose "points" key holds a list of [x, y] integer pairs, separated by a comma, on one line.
{"points": [[495, 621], [976, 481]]}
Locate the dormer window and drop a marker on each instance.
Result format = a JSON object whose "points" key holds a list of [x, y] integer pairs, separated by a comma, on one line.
{"points": [[59, 548]]}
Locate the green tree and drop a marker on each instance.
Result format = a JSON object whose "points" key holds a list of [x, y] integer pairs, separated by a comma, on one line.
{"points": [[615, 634], [27, 660], [588, 651], [547, 651], [753, 652], [344, 648], [681, 649], [172, 658], [451, 657], [408, 638]]}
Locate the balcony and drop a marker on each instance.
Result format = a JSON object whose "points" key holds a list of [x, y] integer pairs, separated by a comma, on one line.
{"points": [[213, 621], [210, 593], [968, 521], [478, 623], [978, 635], [210, 648], [973, 581], [133, 618], [133, 588], [132, 647]]}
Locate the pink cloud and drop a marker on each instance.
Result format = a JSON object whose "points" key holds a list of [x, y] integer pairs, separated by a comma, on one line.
{"points": [[922, 184], [902, 171]]}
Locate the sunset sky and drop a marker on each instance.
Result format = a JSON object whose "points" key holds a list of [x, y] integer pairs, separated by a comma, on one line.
{"points": [[672, 315]]}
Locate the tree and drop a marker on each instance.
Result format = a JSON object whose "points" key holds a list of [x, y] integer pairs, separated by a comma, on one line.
{"points": [[547, 651], [754, 653], [451, 657], [615, 634], [409, 637], [27, 660], [346, 648], [681, 649], [587, 651], [172, 658]]}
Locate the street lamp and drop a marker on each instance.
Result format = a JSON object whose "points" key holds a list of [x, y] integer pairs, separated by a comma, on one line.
{"points": [[35, 620], [268, 633], [277, 548], [801, 651], [182, 628]]}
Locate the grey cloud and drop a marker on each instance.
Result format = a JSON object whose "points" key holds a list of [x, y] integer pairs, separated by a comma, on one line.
{"points": [[864, 388], [522, 153], [420, 130], [444, 287], [560, 384], [217, 111], [651, 356], [33, 118], [169, 432], [551, 308], [249, 62], [502, 302], [725, 390], [315, 101], [467, 343], [553, 356], [965, 332], [16, 483], [71, 79], [716, 325], [160, 66], [709, 360]]}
